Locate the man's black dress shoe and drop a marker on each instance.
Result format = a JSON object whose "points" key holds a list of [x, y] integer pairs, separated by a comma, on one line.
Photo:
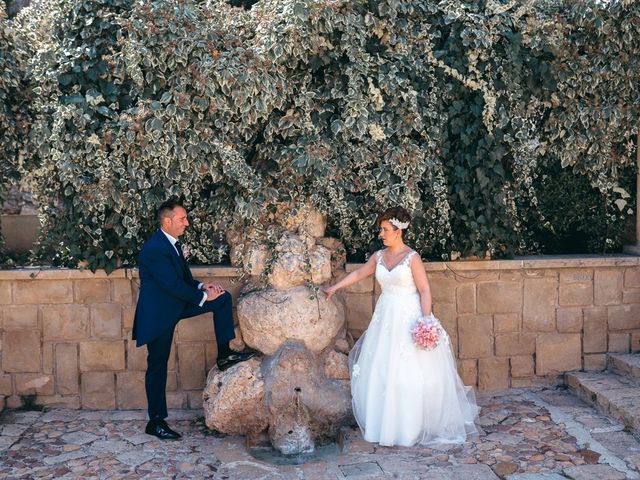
{"points": [[160, 429], [236, 357]]}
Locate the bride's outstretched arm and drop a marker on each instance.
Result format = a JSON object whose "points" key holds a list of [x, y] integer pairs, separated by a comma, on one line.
{"points": [[364, 271], [422, 284]]}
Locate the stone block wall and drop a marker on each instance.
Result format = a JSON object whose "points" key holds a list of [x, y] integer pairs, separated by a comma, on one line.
{"points": [[65, 338], [65, 335]]}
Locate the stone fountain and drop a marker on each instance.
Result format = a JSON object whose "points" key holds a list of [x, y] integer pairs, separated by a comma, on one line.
{"points": [[296, 395]]}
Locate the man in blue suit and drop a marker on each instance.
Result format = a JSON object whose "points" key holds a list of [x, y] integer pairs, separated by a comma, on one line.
{"points": [[168, 293]]}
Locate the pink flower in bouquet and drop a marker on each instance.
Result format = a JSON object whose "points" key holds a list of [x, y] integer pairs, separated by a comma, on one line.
{"points": [[185, 252], [426, 334]]}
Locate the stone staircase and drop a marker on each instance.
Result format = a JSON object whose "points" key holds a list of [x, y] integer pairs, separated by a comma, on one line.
{"points": [[615, 391]]}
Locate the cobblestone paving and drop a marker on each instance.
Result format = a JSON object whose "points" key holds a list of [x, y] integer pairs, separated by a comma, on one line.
{"points": [[525, 435]]}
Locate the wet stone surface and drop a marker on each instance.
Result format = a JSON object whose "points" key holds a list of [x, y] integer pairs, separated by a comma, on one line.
{"points": [[524, 435]]}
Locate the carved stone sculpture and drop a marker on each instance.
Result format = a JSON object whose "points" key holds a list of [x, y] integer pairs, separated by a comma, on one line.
{"points": [[297, 393]]}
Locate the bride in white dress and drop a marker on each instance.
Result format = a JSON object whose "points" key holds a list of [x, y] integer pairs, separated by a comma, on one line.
{"points": [[403, 394]]}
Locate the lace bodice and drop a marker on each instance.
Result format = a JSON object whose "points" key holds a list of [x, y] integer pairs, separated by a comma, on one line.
{"points": [[399, 279]]}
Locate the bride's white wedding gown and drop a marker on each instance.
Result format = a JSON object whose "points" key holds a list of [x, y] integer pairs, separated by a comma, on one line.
{"points": [[404, 395]]}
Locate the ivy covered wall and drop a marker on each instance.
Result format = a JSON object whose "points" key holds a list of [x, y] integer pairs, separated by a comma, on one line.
{"points": [[506, 128]]}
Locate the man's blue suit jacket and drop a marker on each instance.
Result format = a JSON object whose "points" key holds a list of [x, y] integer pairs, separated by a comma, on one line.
{"points": [[166, 287]]}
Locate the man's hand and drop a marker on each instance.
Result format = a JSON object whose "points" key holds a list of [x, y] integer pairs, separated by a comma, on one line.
{"points": [[213, 291]]}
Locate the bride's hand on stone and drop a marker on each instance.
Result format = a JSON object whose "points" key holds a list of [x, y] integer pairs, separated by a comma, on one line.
{"points": [[328, 291]]}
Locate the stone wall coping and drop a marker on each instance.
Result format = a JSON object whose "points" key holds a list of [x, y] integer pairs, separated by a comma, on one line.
{"points": [[519, 263], [49, 273], [580, 261]]}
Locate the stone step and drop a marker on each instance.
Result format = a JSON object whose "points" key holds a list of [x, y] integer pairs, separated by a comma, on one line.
{"points": [[613, 394], [627, 364]]}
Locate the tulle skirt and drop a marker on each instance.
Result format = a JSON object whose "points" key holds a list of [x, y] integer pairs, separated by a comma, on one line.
{"points": [[404, 395]]}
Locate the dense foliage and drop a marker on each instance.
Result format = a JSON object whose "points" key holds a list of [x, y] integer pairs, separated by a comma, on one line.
{"points": [[481, 117]]}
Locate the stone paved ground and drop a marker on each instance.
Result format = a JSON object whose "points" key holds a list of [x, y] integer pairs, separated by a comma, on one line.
{"points": [[525, 435]]}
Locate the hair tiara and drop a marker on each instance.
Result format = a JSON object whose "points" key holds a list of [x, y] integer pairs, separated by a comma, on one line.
{"points": [[398, 224]]}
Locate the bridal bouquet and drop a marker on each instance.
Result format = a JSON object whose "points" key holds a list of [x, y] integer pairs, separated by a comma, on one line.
{"points": [[427, 332]]}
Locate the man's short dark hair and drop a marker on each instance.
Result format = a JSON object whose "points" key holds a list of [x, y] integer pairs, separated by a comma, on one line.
{"points": [[166, 209]]}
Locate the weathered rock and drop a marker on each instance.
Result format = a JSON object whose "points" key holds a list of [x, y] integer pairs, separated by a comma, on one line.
{"points": [[245, 247], [338, 252], [297, 262], [301, 400], [307, 221], [342, 346], [505, 468], [235, 255], [17, 202], [590, 457], [594, 472], [289, 431], [233, 399], [300, 396], [320, 265], [336, 365], [236, 247], [270, 317], [255, 259]]}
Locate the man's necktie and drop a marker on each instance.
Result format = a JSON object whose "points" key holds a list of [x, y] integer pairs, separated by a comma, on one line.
{"points": [[178, 246]]}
